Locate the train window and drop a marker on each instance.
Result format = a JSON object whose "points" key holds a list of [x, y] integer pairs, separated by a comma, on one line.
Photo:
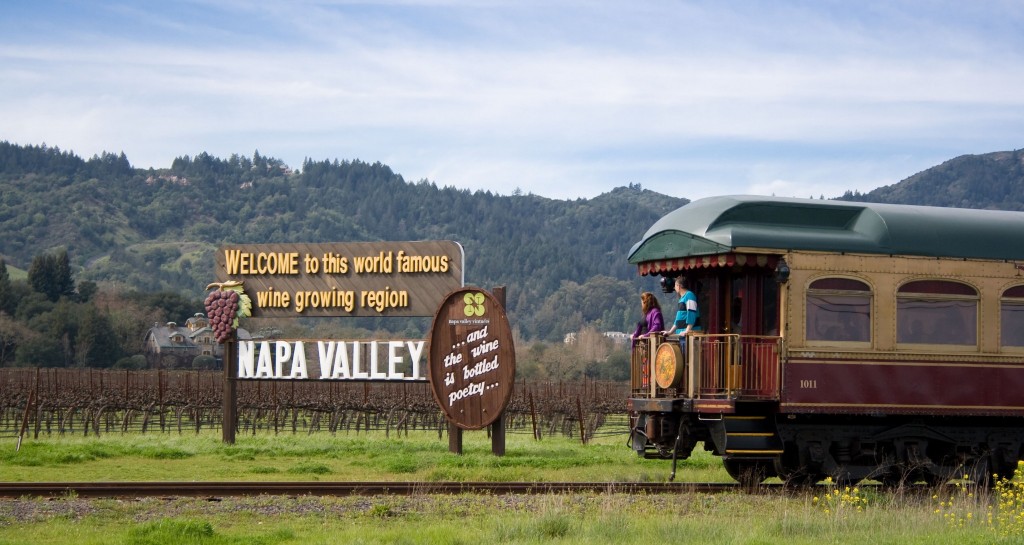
{"points": [[937, 312], [1011, 316], [838, 309]]}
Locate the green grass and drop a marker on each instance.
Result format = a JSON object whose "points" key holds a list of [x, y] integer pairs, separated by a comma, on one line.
{"points": [[730, 518], [345, 457], [733, 518]]}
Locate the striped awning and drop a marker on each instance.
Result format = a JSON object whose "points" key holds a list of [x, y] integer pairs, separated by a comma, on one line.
{"points": [[706, 261]]}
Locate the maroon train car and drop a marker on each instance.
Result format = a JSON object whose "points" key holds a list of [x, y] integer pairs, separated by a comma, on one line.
{"points": [[844, 340]]}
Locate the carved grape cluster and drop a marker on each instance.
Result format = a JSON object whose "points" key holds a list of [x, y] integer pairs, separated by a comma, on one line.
{"points": [[224, 306]]}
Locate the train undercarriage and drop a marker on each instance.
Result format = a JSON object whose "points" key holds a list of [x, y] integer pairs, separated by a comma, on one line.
{"points": [[757, 442]]}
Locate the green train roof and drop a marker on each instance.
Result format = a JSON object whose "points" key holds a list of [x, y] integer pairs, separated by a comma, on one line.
{"points": [[718, 225]]}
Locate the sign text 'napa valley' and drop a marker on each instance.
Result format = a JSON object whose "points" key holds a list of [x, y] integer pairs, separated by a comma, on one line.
{"points": [[332, 360]]}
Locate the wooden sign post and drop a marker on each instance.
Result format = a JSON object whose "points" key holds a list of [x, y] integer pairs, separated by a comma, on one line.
{"points": [[471, 366]]}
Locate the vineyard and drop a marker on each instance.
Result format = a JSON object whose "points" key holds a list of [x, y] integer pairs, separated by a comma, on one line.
{"points": [[93, 401]]}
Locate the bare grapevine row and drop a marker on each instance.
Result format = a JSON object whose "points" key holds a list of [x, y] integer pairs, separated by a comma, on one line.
{"points": [[89, 401]]}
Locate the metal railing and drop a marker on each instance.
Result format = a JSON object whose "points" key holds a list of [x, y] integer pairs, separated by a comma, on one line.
{"points": [[716, 366]]}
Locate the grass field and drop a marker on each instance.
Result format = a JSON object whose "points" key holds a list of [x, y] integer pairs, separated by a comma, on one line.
{"points": [[822, 515]]}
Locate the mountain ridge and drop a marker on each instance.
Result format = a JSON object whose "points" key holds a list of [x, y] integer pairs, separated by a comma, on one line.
{"points": [[156, 229]]}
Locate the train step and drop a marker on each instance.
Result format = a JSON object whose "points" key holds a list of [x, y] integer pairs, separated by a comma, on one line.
{"points": [[753, 435]]}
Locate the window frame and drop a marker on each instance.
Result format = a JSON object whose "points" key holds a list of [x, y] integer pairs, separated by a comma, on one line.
{"points": [[936, 290], [1015, 296], [837, 291]]}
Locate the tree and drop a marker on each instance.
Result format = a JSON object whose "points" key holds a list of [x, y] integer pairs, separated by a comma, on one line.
{"points": [[8, 302], [95, 342], [50, 274], [12, 334], [86, 289], [591, 346], [128, 320], [39, 351], [62, 324], [176, 307], [558, 362]]}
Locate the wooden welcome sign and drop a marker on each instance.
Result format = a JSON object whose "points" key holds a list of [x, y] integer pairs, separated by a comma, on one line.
{"points": [[344, 278], [471, 365]]}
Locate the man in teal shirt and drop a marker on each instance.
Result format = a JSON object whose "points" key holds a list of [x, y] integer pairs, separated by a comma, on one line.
{"points": [[687, 315]]}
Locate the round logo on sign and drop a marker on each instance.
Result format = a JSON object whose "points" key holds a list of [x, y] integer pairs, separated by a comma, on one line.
{"points": [[471, 365]]}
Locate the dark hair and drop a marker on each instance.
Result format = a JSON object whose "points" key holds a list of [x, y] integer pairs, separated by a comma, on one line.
{"points": [[683, 281]]}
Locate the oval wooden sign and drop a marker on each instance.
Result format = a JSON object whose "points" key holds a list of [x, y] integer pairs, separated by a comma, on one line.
{"points": [[472, 361]]}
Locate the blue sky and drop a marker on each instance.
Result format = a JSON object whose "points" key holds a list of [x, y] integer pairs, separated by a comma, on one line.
{"points": [[563, 99]]}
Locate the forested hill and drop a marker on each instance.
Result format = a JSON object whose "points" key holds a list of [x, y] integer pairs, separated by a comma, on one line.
{"points": [[991, 180], [564, 262]]}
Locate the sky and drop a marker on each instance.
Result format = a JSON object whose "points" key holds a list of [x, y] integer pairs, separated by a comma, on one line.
{"points": [[562, 99]]}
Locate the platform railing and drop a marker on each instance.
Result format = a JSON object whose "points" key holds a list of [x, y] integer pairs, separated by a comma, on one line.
{"points": [[642, 366], [716, 366]]}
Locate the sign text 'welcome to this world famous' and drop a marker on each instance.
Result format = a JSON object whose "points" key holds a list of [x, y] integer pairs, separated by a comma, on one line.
{"points": [[344, 279]]}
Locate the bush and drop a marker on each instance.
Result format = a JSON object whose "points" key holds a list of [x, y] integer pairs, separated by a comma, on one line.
{"points": [[135, 362], [204, 362]]}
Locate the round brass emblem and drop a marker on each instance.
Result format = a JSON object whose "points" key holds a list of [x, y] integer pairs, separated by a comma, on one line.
{"points": [[668, 365]]}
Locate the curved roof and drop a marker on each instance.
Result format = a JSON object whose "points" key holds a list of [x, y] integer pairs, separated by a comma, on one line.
{"points": [[718, 225]]}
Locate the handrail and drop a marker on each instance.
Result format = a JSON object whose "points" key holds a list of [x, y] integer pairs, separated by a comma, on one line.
{"points": [[717, 366]]}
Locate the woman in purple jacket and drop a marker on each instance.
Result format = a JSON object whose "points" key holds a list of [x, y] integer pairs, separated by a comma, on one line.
{"points": [[652, 322]]}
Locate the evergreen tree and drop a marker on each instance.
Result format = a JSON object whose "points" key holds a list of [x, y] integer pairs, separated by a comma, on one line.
{"points": [[8, 303], [65, 284], [50, 275]]}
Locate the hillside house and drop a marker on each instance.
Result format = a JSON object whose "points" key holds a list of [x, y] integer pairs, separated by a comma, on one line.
{"points": [[170, 346]]}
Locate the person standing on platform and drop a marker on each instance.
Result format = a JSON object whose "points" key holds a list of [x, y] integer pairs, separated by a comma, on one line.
{"points": [[653, 321], [687, 315]]}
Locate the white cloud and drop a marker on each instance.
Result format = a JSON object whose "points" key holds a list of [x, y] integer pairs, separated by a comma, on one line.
{"points": [[561, 99]]}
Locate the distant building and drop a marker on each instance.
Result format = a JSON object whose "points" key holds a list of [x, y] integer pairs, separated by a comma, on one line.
{"points": [[170, 346], [616, 337]]}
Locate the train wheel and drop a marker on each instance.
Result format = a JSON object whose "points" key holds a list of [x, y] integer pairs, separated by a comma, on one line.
{"points": [[748, 472], [1002, 464], [935, 479], [800, 479], [794, 474], [980, 472], [894, 477], [892, 480]]}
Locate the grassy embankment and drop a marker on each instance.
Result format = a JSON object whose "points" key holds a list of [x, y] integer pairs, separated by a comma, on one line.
{"points": [[849, 516]]}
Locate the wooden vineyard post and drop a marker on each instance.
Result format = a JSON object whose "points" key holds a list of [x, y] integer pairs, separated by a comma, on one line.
{"points": [[533, 418], [229, 422], [579, 415], [24, 419]]}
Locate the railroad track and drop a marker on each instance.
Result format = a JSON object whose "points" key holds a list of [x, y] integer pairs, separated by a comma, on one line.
{"points": [[232, 489]]}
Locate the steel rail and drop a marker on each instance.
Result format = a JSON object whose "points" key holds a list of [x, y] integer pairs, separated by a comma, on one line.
{"points": [[319, 488]]}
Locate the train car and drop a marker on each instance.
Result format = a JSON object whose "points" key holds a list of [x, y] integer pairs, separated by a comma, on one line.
{"points": [[845, 340]]}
